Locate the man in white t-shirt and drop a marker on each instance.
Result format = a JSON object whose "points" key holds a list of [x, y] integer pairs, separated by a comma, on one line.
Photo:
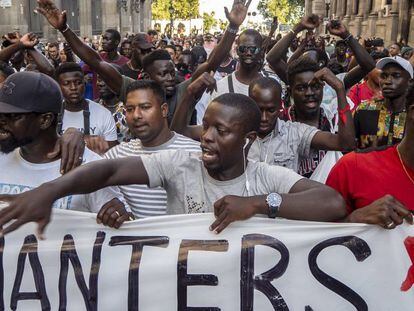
{"points": [[29, 105], [218, 179], [251, 55], [94, 120]]}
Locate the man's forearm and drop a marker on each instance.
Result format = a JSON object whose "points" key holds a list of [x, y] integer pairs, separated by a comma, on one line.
{"points": [[9, 51], [308, 205], [346, 129], [86, 53], [97, 175], [280, 49], [362, 57], [43, 65], [182, 116], [218, 55]]}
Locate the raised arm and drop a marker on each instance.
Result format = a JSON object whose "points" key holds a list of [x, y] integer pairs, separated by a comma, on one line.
{"points": [[278, 52], [36, 205], [345, 139], [184, 110], [57, 19], [365, 62], [235, 17], [18, 43], [272, 31]]}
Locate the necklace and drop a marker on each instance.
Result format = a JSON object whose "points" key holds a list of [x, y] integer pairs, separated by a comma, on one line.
{"points": [[402, 164]]}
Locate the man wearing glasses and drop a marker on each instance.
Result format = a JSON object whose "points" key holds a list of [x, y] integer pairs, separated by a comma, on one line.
{"points": [[250, 56]]}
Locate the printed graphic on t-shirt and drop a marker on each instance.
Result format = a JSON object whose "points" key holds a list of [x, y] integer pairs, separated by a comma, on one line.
{"points": [[63, 203], [376, 126]]}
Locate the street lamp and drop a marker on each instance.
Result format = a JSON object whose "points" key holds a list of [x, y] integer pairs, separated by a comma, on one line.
{"points": [[122, 4], [327, 7], [171, 11]]}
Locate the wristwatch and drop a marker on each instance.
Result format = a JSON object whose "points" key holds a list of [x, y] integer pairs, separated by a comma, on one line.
{"points": [[273, 200]]}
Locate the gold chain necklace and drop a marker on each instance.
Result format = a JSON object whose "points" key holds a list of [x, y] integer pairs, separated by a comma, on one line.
{"points": [[404, 168]]}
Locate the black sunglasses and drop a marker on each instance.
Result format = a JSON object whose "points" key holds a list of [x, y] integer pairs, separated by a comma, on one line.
{"points": [[242, 49]]}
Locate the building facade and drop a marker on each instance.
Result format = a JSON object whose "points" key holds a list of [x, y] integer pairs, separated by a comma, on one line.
{"points": [[392, 20], [85, 17]]}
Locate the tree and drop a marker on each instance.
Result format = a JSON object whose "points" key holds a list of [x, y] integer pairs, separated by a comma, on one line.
{"points": [[223, 25], [209, 21], [287, 11], [183, 9]]}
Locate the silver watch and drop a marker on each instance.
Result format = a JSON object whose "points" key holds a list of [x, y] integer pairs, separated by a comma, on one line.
{"points": [[274, 201]]}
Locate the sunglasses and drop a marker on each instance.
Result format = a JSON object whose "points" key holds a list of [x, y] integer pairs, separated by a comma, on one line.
{"points": [[242, 49]]}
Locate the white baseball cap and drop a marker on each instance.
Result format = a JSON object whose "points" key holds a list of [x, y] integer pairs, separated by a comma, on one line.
{"points": [[405, 64]]}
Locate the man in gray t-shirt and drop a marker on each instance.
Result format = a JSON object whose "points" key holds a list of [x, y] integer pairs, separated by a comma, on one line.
{"points": [[220, 179]]}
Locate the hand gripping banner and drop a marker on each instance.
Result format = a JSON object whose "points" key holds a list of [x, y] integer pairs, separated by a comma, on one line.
{"points": [[175, 263]]}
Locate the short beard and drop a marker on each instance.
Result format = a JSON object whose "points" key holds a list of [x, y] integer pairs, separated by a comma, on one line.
{"points": [[10, 144]]}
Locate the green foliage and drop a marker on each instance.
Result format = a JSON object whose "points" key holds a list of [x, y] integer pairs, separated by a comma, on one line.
{"points": [[223, 24], [287, 11], [209, 21], [183, 9]]}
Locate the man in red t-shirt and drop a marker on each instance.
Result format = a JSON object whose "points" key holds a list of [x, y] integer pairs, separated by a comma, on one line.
{"points": [[378, 186], [110, 42]]}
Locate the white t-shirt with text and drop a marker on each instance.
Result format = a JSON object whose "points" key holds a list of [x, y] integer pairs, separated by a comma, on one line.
{"points": [[101, 121], [18, 175]]}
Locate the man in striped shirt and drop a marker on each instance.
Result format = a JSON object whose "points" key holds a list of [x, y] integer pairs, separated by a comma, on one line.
{"points": [[146, 116]]}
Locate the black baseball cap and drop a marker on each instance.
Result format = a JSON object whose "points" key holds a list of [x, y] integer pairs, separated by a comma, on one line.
{"points": [[30, 91]]}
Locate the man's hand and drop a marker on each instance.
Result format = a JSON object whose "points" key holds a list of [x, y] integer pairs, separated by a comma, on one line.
{"points": [[386, 212], [233, 208], [97, 144], [337, 28], [326, 75], [238, 12], [204, 82], [29, 40], [70, 147], [113, 214], [34, 205], [12, 37], [55, 17], [307, 23]]}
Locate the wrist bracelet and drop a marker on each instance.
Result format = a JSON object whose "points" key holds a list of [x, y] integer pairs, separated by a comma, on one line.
{"points": [[66, 29], [342, 115], [234, 31]]}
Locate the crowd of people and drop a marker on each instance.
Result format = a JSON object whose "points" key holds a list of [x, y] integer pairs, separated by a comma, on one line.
{"points": [[301, 126]]}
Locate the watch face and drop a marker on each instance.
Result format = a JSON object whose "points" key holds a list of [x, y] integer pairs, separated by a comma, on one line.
{"points": [[274, 199]]}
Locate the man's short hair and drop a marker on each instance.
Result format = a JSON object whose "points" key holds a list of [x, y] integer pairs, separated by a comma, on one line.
{"points": [[115, 34], [265, 83], [302, 64], [67, 67], [54, 45], [172, 47], [254, 33], [154, 56], [157, 89], [193, 57], [249, 112], [376, 55], [152, 32], [199, 53]]}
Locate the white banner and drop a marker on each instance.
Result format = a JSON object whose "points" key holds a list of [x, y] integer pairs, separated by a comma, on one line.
{"points": [[175, 263]]}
